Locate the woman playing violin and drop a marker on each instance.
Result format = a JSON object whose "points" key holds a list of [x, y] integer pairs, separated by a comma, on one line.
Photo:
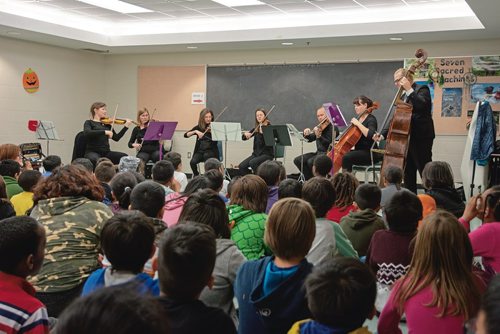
{"points": [[367, 124], [146, 149], [205, 147], [98, 134], [261, 152]]}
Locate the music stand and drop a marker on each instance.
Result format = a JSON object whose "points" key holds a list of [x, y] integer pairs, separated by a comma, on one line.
{"points": [[226, 131], [160, 131], [46, 130], [276, 135], [334, 114], [293, 130]]}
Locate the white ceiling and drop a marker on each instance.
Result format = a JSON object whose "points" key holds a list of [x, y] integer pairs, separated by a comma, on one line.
{"points": [[175, 24]]}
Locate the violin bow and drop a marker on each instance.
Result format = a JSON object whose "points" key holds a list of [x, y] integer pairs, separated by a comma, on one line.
{"points": [[114, 117], [152, 114]]}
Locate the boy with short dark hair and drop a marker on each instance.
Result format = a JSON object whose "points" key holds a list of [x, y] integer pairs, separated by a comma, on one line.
{"points": [[50, 163], [10, 171], [393, 176], [290, 188], [360, 224], [149, 198], [270, 171], [84, 163], [104, 173], [176, 160], [23, 201], [127, 240], [22, 247], [322, 166], [341, 295], [163, 173], [186, 262], [214, 163]]}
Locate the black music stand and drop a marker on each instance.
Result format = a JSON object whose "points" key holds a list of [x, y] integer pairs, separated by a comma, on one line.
{"points": [[276, 135], [160, 131]]}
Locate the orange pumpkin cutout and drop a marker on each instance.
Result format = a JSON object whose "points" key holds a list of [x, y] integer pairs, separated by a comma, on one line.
{"points": [[31, 83]]}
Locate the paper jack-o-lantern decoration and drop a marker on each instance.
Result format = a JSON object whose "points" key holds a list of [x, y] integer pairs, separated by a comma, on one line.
{"points": [[31, 83]]}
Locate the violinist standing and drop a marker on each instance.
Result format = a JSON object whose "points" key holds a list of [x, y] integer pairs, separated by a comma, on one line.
{"points": [[97, 135], [367, 124], [323, 135], [146, 149], [261, 152], [205, 148]]}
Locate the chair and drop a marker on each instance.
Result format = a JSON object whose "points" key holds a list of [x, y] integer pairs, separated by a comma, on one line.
{"points": [[80, 146], [372, 168]]}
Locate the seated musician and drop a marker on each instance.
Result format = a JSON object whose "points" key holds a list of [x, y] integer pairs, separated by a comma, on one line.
{"points": [[322, 134], [367, 124]]}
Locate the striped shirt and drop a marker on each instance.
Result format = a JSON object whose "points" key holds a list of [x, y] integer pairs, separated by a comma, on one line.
{"points": [[20, 311]]}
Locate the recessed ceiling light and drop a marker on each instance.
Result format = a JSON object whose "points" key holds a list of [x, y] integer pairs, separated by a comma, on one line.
{"points": [[396, 39], [287, 43], [117, 6], [239, 3], [191, 47]]}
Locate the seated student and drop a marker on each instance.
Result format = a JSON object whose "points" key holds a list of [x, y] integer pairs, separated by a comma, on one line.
{"points": [[215, 182], [439, 293], [22, 246], [23, 202], [127, 240], [175, 201], [50, 163], [485, 239], [229, 186], [322, 166], [340, 294], [163, 173], [186, 262], [104, 172], [269, 290], [428, 206], [117, 309], [488, 319], [390, 251], [85, 163], [437, 179], [6, 208], [247, 211], [360, 225], [330, 240], [214, 163], [269, 171], [10, 171], [345, 185], [393, 176], [206, 207], [176, 160], [121, 187], [290, 188]]}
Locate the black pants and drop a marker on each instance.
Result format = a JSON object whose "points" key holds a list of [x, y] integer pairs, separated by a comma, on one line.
{"points": [[419, 153], [111, 155], [253, 162], [146, 156], [358, 157], [56, 302], [308, 163], [201, 156]]}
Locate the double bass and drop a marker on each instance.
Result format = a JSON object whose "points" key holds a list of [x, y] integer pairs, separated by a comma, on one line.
{"points": [[398, 138]]}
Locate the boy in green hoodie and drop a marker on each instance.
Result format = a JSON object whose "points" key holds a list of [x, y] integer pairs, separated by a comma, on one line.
{"points": [[360, 224]]}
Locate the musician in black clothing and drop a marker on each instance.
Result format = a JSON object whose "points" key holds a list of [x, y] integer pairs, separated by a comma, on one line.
{"points": [[260, 152], [323, 141], [205, 147], [97, 135], [146, 149]]}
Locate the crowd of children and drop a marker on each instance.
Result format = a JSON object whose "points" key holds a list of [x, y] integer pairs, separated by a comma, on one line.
{"points": [[100, 249]]}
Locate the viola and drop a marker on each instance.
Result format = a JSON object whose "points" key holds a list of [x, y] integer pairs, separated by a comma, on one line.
{"points": [[118, 121], [322, 125]]}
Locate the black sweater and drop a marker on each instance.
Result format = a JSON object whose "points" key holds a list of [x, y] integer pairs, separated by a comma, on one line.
{"points": [[137, 137], [97, 141], [208, 143], [259, 146], [324, 141]]}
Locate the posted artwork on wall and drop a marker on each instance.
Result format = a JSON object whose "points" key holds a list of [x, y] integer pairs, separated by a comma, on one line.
{"points": [[451, 105], [485, 92], [31, 82]]}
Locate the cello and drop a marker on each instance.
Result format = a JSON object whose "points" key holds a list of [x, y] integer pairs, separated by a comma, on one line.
{"points": [[348, 140], [398, 138]]}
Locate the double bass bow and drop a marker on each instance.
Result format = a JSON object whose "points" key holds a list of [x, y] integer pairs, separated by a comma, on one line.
{"points": [[398, 137]]}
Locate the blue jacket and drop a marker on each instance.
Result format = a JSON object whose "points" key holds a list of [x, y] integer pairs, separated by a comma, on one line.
{"points": [[276, 312], [484, 136], [145, 282]]}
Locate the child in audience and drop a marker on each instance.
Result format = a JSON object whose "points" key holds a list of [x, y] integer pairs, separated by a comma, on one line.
{"points": [[186, 262], [22, 246], [488, 320], [439, 293], [360, 225], [428, 206], [84, 163], [345, 185], [121, 188], [340, 294], [269, 171], [148, 197], [117, 309], [330, 240], [176, 160], [163, 173], [389, 253], [6, 208], [104, 172], [215, 182], [10, 171], [322, 166], [23, 202], [175, 201], [214, 163], [127, 240], [247, 213], [290, 188], [269, 290], [437, 179], [206, 207], [393, 176], [50, 163]]}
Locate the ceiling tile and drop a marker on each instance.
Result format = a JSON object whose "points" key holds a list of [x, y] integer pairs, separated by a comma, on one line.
{"points": [[185, 13], [226, 11], [95, 11], [258, 9], [297, 7], [380, 2], [335, 4]]}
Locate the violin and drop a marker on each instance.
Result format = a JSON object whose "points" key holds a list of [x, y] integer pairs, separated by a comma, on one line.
{"points": [[322, 126], [118, 121]]}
